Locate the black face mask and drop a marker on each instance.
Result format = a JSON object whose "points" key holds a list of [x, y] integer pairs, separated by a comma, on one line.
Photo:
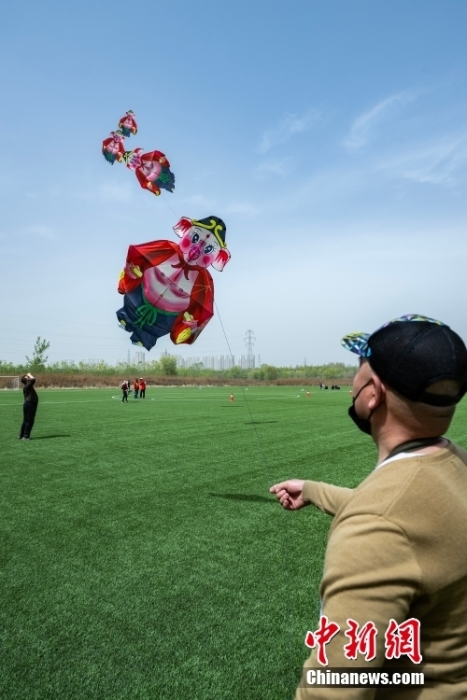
{"points": [[362, 424]]}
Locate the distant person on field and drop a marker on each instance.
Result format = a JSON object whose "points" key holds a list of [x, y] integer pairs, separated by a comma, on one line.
{"points": [[142, 388], [135, 388], [29, 406], [396, 557], [125, 390]]}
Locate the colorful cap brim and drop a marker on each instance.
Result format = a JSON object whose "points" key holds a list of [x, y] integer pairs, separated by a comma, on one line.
{"points": [[358, 342]]}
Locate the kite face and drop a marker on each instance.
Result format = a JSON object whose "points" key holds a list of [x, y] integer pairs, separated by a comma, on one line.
{"points": [[166, 286], [198, 247], [150, 170], [203, 242]]}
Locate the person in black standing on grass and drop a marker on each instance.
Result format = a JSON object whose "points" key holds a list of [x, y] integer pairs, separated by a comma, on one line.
{"points": [[125, 390], [29, 406]]}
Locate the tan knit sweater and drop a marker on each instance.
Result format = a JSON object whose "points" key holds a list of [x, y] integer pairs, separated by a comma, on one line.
{"points": [[397, 549]]}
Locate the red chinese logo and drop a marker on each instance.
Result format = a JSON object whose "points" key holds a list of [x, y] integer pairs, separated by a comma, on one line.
{"points": [[361, 641], [400, 640], [403, 639], [323, 635]]}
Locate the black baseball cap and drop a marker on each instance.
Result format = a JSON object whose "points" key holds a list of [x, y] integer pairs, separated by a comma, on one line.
{"points": [[412, 352]]}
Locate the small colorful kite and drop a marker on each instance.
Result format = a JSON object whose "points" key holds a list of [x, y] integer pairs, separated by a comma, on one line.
{"points": [[152, 169], [167, 287], [113, 147], [128, 124]]}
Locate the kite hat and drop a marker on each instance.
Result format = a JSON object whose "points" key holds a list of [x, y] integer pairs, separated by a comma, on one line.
{"points": [[412, 352], [214, 224]]}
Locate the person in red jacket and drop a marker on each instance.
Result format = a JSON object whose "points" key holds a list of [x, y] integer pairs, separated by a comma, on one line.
{"points": [[142, 388], [136, 388]]}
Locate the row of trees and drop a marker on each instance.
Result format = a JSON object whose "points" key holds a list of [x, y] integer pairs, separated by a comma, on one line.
{"points": [[167, 366]]}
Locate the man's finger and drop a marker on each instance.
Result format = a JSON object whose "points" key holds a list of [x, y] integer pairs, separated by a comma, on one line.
{"points": [[278, 487]]}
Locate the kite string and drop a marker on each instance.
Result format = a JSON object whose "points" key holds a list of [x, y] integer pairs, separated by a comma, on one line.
{"points": [[260, 445], [287, 553], [162, 195], [267, 469]]}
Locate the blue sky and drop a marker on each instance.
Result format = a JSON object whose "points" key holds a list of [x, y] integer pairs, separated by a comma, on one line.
{"points": [[331, 137]]}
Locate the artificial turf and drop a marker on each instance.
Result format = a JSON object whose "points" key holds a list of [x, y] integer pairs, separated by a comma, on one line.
{"points": [[142, 556]]}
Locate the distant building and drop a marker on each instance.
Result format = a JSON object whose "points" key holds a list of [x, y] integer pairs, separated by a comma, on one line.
{"points": [[247, 361], [209, 362], [219, 363], [139, 359]]}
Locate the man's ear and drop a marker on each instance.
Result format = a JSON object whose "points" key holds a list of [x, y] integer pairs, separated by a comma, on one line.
{"points": [[379, 393]]}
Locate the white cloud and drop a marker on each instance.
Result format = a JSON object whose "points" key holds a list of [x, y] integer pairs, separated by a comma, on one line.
{"points": [[363, 127], [289, 126], [435, 163]]}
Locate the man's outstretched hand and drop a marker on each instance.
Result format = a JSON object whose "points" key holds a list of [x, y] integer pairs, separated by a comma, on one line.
{"points": [[289, 493]]}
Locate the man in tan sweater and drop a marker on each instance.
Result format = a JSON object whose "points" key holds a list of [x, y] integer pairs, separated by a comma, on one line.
{"points": [[394, 587]]}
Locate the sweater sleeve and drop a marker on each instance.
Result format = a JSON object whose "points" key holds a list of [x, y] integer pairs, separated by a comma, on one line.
{"points": [[326, 497], [370, 575]]}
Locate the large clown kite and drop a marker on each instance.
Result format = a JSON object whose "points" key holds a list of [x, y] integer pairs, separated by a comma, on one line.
{"points": [[166, 285]]}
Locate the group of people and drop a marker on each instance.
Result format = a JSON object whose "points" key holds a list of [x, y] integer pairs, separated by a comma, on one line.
{"points": [[31, 400], [139, 389]]}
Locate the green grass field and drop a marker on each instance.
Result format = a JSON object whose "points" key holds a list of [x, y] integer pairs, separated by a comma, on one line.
{"points": [[142, 556]]}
